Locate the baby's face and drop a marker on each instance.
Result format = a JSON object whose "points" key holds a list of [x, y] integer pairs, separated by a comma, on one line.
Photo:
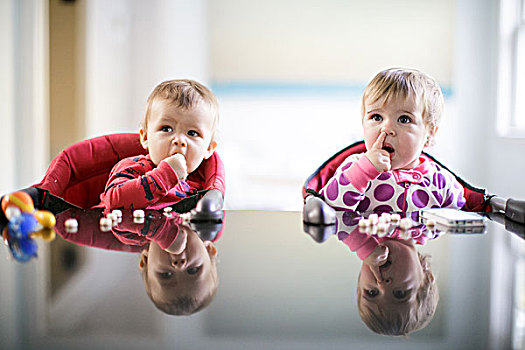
{"points": [[402, 120], [395, 283], [174, 130], [189, 272]]}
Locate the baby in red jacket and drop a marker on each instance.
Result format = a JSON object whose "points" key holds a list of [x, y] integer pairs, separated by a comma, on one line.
{"points": [[178, 131], [180, 278]]}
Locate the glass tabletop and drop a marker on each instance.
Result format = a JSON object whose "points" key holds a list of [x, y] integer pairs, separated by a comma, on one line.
{"points": [[278, 284]]}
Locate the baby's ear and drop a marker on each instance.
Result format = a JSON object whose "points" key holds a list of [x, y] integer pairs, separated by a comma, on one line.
{"points": [[425, 265], [430, 276], [210, 247], [143, 259], [210, 150], [143, 138], [430, 136]]}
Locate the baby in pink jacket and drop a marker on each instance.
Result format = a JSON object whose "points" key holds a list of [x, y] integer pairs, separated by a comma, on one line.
{"points": [[396, 293]]}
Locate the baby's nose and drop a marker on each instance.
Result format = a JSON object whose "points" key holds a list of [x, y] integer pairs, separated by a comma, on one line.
{"points": [[178, 262], [179, 141], [385, 281], [389, 130]]}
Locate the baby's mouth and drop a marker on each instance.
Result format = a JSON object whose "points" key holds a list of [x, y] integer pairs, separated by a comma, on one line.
{"points": [[388, 148]]}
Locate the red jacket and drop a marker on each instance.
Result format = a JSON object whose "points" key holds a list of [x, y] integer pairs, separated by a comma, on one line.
{"points": [[79, 173]]}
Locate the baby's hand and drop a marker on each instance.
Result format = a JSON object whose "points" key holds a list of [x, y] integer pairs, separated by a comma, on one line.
{"points": [[378, 156], [179, 244], [178, 163], [378, 256]]}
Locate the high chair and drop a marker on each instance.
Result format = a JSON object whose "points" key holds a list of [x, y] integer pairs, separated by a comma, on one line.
{"points": [[318, 212], [77, 176]]}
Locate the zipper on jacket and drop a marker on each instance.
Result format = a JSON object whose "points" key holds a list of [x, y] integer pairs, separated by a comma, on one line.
{"points": [[406, 184]]}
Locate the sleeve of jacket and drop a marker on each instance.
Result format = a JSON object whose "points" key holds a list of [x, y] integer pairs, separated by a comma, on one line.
{"points": [[138, 184], [346, 189], [360, 243], [156, 227]]}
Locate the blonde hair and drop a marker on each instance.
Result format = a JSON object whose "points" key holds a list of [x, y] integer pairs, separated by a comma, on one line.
{"points": [[185, 94], [393, 83], [414, 317]]}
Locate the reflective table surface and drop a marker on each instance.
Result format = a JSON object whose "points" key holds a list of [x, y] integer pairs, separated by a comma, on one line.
{"points": [[272, 285]]}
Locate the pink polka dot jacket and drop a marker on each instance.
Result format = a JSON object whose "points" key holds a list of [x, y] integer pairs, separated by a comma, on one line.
{"points": [[357, 185]]}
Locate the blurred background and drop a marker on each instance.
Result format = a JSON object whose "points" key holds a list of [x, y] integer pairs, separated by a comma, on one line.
{"points": [[288, 74]]}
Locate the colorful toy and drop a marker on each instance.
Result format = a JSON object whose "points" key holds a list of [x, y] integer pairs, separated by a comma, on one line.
{"points": [[24, 224]]}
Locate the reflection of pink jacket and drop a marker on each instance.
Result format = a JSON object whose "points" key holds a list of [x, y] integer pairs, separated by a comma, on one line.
{"points": [[357, 185], [364, 244]]}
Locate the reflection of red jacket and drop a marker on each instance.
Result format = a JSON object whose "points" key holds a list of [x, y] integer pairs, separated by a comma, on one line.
{"points": [[89, 233], [126, 236], [156, 227], [80, 172]]}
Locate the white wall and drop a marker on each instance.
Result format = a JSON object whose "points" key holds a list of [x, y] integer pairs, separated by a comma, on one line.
{"points": [[289, 76], [8, 331], [331, 40], [23, 121], [131, 46], [270, 140], [489, 159], [7, 45]]}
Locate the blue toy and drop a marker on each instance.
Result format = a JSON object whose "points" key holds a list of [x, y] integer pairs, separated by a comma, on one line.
{"points": [[25, 223]]}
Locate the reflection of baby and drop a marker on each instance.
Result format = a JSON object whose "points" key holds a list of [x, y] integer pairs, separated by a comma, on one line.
{"points": [[396, 292], [178, 268], [178, 131], [182, 278]]}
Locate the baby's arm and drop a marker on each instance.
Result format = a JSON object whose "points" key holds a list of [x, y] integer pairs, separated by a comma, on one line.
{"points": [[346, 189], [378, 256], [136, 184], [453, 193], [366, 247]]}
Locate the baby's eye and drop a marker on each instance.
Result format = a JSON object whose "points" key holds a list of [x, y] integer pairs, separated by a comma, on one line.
{"points": [[376, 117], [193, 270], [404, 119], [166, 275], [193, 133], [371, 292], [400, 294], [166, 129]]}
